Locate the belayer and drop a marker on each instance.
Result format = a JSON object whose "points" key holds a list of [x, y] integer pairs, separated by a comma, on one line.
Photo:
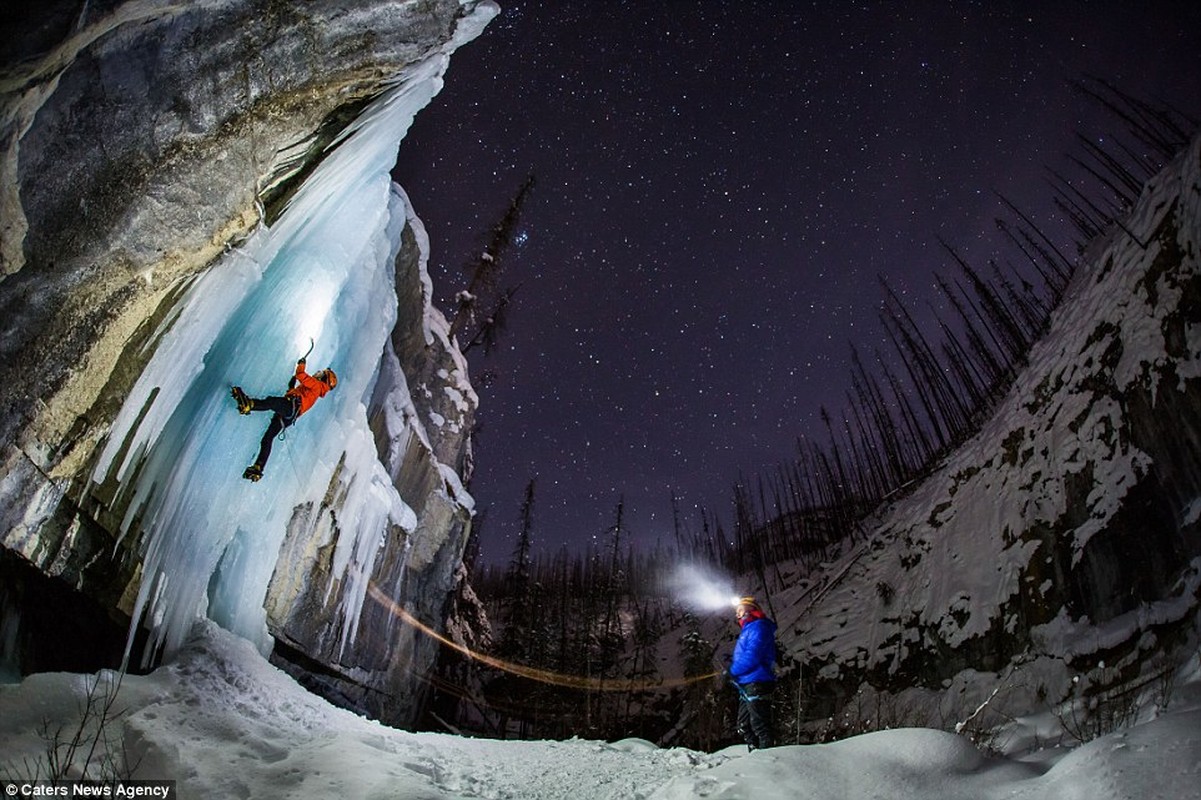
{"points": [[752, 673], [303, 391]]}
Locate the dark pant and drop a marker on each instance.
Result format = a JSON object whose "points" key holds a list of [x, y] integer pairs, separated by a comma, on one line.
{"points": [[754, 714], [284, 409]]}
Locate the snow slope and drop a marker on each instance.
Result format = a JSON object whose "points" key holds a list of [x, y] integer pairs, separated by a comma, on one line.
{"points": [[1059, 542], [222, 722]]}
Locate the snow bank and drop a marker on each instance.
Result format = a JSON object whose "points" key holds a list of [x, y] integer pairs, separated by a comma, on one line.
{"points": [[222, 722]]}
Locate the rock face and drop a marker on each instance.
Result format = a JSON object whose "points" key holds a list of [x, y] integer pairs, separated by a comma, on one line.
{"points": [[1059, 551], [141, 140]]}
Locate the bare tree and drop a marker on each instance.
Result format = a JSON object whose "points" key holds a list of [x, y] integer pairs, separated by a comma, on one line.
{"points": [[482, 308]]}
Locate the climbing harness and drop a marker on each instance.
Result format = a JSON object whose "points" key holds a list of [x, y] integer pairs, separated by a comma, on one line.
{"points": [[743, 693]]}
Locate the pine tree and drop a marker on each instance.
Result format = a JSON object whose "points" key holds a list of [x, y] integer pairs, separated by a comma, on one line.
{"points": [[701, 717], [511, 694], [517, 620]]}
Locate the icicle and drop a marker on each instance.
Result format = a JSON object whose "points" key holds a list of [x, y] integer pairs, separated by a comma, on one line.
{"points": [[209, 539]]}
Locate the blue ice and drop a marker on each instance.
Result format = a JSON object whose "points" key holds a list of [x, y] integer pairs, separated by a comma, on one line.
{"points": [[210, 539]]}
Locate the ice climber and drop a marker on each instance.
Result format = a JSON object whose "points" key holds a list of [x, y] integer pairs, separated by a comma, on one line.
{"points": [[303, 391], [751, 671]]}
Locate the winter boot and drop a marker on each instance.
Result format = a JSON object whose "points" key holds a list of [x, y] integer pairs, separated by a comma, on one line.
{"points": [[253, 473], [245, 404]]}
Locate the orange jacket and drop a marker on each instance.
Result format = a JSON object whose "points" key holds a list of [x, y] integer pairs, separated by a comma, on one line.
{"points": [[307, 388]]}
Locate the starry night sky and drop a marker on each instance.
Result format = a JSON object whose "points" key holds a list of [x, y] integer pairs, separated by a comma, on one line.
{"points": [[719, 184]]}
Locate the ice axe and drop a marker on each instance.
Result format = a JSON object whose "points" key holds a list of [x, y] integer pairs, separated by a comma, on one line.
{"points": [[301, 360]]}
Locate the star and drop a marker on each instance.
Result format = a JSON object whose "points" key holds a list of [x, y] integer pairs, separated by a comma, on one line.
{"points": [[718, 190]]}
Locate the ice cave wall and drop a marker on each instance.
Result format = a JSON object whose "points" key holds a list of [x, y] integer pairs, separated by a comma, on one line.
{"points": [[1059, 550], [142, 141]]}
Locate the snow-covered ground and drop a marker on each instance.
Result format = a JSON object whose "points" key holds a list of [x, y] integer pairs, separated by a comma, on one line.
{"points": [[223, 722]]}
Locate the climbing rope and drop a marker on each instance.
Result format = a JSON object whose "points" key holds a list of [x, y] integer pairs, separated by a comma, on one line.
{"points": [[540, 675]]}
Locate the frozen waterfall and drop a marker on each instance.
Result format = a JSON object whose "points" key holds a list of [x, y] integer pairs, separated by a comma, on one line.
{"points": [[177, 449]]}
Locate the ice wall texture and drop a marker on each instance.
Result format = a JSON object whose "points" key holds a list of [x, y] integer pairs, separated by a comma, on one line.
{"points": [[176, 450], [139, 139], [1065, 536], [139, 501]]}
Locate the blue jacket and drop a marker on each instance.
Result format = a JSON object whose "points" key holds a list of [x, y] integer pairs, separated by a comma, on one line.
{"points": [[754, 653]]}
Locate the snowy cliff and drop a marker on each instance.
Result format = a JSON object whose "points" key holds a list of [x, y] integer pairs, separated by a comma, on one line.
{"points": [[1058, 552], [191, 195]]}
